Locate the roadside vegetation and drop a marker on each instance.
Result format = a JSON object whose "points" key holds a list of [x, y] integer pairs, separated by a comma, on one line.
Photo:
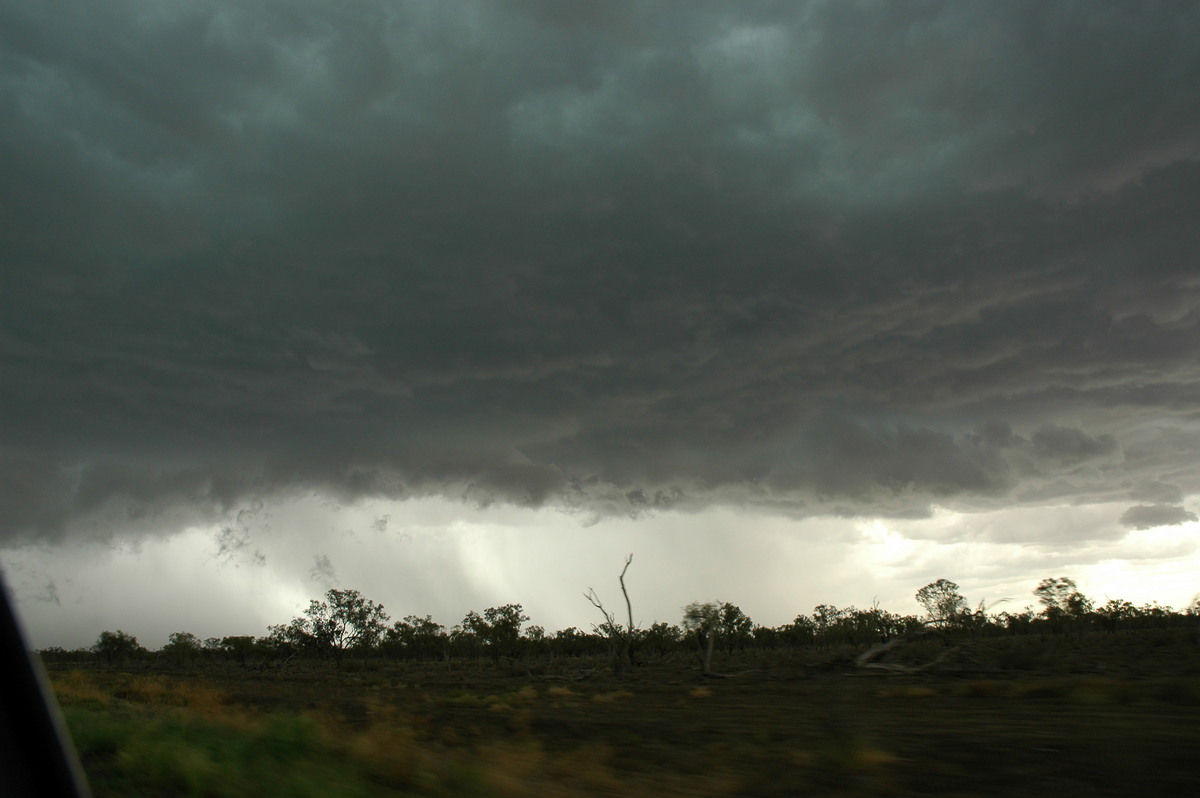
{"points": [[347, 626], [342, 700]]}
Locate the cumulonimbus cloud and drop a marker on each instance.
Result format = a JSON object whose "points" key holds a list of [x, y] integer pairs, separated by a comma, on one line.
{"points": [[612, 262]]}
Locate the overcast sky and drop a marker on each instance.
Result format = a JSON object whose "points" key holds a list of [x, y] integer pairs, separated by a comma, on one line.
{"points": [[458, 304]]}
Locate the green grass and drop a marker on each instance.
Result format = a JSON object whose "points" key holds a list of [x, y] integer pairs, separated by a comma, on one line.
{"points": [[173, 754], [152, 738], [781, 728]]}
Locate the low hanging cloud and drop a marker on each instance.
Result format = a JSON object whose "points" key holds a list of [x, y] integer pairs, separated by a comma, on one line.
{"points": [[612, 258], [323, 572], [1148, 516]]}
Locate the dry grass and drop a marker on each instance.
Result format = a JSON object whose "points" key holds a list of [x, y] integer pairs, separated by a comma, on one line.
{"points": [[477, 732]]}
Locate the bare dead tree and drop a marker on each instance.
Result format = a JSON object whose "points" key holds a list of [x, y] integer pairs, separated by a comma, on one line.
{"points": [[631, 629], [620, 639]]}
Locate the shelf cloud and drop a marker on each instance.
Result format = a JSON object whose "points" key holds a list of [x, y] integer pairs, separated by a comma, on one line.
{"points": [[822, 259]]}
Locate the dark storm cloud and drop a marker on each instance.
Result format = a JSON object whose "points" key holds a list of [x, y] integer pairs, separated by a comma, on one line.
{"points": [[613, 256], [1067, 445], [1148, 516]]}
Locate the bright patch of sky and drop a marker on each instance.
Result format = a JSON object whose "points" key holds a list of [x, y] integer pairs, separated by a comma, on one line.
{"points": [[436, 557]]}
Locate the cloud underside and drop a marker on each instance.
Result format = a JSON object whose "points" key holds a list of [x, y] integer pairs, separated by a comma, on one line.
{"points": [[1148, 516], [610, 258]]}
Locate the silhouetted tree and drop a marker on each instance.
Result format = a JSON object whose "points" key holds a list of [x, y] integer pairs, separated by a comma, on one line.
{"points": [[660, 638], [116, 647], [1053, 594], [827, 617], [182, 647], [733, 627], [944, 605], [1017, 623], [465, 641], [498, 630], [569, 642], [416, 638], [702, 620], [802, 631], [238, 646], [287, 640], [345, 620], [1116, 613], [1061, 600], [535, 640]]}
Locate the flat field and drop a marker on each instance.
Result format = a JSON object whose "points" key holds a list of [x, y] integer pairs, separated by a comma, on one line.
{"points": [[776, 724]]}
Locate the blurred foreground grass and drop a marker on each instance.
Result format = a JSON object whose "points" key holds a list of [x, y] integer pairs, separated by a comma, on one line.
{"points": [[155, 736], [376, 734], [152, 735]]}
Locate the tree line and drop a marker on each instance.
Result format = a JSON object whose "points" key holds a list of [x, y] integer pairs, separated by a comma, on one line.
{"points": [[345, 623]]}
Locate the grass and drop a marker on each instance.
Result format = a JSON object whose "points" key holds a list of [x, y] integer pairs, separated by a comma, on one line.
{"points": [[151, 735], [154, 735], [781, 727]]}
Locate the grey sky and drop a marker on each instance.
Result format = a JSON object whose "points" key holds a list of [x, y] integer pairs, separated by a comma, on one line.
{"points": [[618, 259]]}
